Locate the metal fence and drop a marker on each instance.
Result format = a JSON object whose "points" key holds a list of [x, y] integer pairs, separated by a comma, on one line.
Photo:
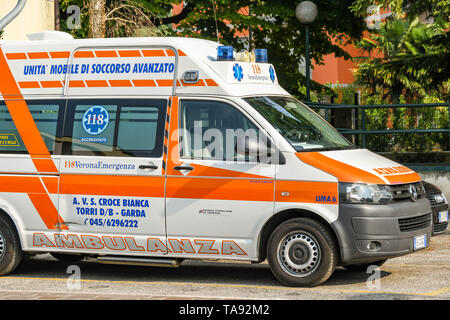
{"points": [[361, 119]]}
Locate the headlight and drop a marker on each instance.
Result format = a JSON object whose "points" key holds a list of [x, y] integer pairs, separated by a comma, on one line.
{"points": [[440, 198], [364, 193]]}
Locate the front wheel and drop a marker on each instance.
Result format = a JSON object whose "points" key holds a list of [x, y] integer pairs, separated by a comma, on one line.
{"points": [[302, 252]]}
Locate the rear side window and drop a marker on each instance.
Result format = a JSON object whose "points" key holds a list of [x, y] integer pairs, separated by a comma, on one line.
{"points": [[115, 128], [45, 115]]}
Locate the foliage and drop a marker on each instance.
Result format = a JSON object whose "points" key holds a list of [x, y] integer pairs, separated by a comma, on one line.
{"points": [[411, 58], [272, 22]]}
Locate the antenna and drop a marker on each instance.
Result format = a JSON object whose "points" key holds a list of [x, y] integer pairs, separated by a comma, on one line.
{"points": [[12, 14], [215, 18]]}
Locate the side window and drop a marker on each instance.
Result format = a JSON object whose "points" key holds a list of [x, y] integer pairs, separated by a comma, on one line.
{"points": [[115, 128], [210, 129], [10, 140], [45, 116]]}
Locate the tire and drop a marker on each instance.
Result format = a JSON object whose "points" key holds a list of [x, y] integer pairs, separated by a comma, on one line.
{"points": [[302, 252], [67, 257], [363, 267], [10, 249]]}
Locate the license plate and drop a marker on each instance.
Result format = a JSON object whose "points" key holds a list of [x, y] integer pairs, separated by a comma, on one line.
{"points": [[443, 216], [420, 242]]}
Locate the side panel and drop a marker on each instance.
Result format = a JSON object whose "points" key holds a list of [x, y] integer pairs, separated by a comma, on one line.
{"points": [[220, 202], [30, 193], [112, 181]]}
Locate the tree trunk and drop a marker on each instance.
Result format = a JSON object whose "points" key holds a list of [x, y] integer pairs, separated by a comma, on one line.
{"points": [[97, 18]]}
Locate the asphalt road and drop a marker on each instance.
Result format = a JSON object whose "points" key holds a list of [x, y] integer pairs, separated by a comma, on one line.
{"points": [[422, 275]]}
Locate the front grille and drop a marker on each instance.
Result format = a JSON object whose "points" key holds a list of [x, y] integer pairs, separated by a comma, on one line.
{"points": [[414, 223], [440, 227], [430, 197], [400, 192]]}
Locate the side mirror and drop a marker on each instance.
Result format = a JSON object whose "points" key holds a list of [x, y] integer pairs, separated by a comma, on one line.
{"points": [[254, 147]]}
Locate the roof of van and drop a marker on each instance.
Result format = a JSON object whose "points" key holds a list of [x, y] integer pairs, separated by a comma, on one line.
{"points": [[132, 66]]}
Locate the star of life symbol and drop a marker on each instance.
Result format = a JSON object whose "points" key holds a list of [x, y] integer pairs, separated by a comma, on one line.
{"points": [[237, 72], [95, 120]]}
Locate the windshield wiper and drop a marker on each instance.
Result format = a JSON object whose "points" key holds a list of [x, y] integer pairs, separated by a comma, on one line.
{"points": [[327, 149]]}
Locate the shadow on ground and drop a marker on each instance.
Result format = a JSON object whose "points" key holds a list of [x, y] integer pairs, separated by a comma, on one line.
{"points": [[190, 272]]}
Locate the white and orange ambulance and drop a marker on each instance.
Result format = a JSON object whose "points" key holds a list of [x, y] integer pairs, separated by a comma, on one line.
{"points": [[150, 151]]}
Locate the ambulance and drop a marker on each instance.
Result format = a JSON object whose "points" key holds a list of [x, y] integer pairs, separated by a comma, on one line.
{"points": [[151, 151]]}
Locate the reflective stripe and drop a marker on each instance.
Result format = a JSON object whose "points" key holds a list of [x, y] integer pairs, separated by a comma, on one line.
{"points": [[343, 172], [35, 145], [307, 192], [219, 189]]}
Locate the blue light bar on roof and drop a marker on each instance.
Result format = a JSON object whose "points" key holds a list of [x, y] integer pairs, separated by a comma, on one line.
{"points": [[261, 55], [225, 53]]}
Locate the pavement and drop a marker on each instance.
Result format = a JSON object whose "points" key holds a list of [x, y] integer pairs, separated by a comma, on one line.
{"points": [[422, 275]]}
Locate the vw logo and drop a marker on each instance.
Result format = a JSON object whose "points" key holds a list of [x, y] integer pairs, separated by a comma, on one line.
{"points": [[413, 192]]}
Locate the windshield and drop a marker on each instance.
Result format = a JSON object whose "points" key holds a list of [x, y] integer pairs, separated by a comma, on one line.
{"points": [[298, 124]]}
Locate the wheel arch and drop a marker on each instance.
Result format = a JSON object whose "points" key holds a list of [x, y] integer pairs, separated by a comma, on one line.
{"points": [[14, 224], [283, 216]]}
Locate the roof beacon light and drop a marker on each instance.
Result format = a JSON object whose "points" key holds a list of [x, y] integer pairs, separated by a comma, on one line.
{"points": [[225, 53], [261, 55]]}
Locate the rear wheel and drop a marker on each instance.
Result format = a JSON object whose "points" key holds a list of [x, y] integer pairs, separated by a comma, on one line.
{"points": [[302, 252], [10, 250]]}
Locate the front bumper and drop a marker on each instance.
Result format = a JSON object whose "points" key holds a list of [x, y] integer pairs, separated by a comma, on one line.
{"points": [[391, 227]]}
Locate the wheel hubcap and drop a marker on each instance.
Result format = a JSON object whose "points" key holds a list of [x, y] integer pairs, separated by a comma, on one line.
{"points": [[2, 246], [299, 254]]}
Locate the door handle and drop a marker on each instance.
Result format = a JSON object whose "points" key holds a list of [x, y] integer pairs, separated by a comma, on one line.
{"points": [[148, 166], [184, 168]]}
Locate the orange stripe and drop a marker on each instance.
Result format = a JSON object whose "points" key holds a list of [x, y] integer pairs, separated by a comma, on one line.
{"points": [[29, 84], [45, 165], [16, 56], [211, 83], [106, 54], [153, 53], [133, 186], [120, 83], [403, 178], [84, 54], [76, 84], [51, 84], [32, 139], [219, 189], [144, 83], [97, 83], [343, 172], [21, 184], [170, 53], [38, 55], [46, 209], [51, 183], [164, 83], [307, 192], [60, 54], [172, 151], [200, 83], [129, 53], [205, 171]]}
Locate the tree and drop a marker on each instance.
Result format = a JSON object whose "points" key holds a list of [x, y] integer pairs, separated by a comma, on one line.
{"points": [[273, 24], [414, 60], [97, 18]]}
